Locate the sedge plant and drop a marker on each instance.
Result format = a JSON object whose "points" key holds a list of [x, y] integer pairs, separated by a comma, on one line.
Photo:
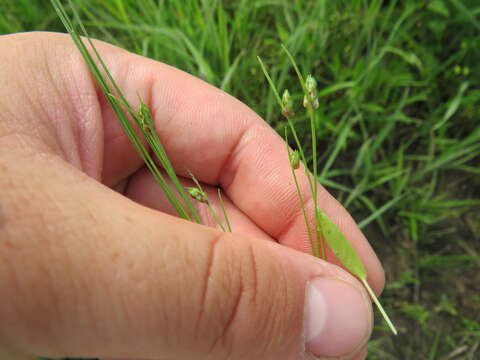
{"points": [[142, 122], [324, 230]]}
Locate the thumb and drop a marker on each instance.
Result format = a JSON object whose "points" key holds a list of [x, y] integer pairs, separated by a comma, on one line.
{"points": [[221, 296], [95, 275]]}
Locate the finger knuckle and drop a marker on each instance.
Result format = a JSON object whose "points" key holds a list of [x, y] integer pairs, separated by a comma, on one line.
{"points": [[245, 295]]}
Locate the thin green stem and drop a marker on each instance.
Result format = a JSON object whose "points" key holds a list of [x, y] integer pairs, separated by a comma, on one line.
{"points": [[154, 142], [159, 151], [270, 81], [379, 306], [215, 216], [222, 206], [296, 68], [313, 129], [141, 118], [114, 103], [289, 122], [302, 154], [311, 183], [302, 203]]}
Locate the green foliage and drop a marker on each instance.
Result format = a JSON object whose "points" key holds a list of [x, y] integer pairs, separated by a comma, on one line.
{"points": [[341, 247]]}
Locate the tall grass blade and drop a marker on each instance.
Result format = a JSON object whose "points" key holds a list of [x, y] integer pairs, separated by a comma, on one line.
{"points": [[123, 109]]}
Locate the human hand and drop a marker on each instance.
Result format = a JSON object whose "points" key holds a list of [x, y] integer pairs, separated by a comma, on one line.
{"points": [[90, 272]]}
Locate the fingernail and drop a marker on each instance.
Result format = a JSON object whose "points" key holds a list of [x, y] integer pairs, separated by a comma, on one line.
{"points": [[338, 317]]}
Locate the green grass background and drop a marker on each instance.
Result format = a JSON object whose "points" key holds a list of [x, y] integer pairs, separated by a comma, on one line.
{"points": [[399, 131]]}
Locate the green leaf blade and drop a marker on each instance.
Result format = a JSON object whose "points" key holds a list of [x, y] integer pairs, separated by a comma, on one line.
{"points": [[349, 258], [340, 246]]}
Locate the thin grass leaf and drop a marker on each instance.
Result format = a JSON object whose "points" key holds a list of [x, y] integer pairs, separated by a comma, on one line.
{"points": [[222, 205], [340, 143], [142, 118], [452, 106], [231, 70], [340, 246], [378, 212], [336, 87]]}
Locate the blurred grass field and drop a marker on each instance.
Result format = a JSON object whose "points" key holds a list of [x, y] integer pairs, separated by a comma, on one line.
{"points": [[399, 130]]}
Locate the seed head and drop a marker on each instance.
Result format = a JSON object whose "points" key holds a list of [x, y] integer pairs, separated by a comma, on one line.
{"points": [[311, 84], [197, 194], [306, 102], [287, 105], [144, 118], [311, 96], [294, 158]]}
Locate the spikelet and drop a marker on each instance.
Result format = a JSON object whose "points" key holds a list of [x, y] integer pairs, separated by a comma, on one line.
{"points": [[311, 87], [197, 194], [287, 105]]}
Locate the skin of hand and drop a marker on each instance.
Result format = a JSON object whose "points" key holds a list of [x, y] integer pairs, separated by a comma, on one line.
{"points": [[92, 262]]}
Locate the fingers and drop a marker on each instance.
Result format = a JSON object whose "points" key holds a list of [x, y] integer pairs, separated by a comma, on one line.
{"points": [[203, 129], [93, 274], [142, 189], [224, 143]]}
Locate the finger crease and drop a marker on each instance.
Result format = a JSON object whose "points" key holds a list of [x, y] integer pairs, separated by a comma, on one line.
{"points": [[286, 226], [209, 266], [228, 323], [226, 172]]}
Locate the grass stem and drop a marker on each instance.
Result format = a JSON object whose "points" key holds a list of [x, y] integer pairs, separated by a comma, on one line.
{"points": [[302, 202], [123, 110], [379, 305], [222, 205]]}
